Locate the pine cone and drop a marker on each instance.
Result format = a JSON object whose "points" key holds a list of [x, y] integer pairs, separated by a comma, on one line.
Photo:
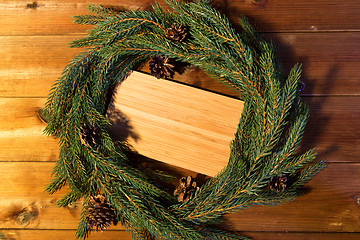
{"points": [[99, 214], [176, 33], [278, 183], [160, 67], [186, 187], [89, 135]]}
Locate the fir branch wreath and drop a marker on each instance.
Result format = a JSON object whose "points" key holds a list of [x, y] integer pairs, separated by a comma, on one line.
{"points": [[264, 166]]}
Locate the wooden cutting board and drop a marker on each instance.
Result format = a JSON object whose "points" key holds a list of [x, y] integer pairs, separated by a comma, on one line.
{"points": [[174, 123]]}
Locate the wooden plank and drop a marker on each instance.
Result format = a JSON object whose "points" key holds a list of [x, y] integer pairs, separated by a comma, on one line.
{"points": [[31, 64], [313, 46], [116, 235], [304, 15], [23, 202], [302, 236], [329, 62], [55, 17], [51, 17], [60, 235], [21, 132], [321, 78], [329, 204], [333, 129]]}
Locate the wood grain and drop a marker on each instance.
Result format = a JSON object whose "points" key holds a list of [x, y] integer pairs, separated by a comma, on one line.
{"points": [[23, 202], [31, 64], [304, 15], [329, 205], [59, 235], [323, 35], [302, 236], [333, 128], [55, 17], [51, 17], [116, 235], [329, 63], [21, 132], [21, 139], [163, 120], [177, 124]]}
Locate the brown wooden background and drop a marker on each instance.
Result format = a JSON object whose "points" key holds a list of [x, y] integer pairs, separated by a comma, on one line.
{"points": [[323, 35]]}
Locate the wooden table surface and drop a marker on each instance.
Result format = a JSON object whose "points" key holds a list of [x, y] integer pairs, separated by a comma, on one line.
{"points": [[323, 35]]}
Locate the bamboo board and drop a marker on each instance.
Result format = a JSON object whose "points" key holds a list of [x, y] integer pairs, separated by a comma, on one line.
{"points": [[175, 123]]}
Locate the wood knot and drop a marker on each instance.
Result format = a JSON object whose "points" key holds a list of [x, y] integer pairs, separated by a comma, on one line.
{"points": [[2, 236], [26, 215], [33, 5], [72, 206], [7, 236], [257, 2], [41, 115]]}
